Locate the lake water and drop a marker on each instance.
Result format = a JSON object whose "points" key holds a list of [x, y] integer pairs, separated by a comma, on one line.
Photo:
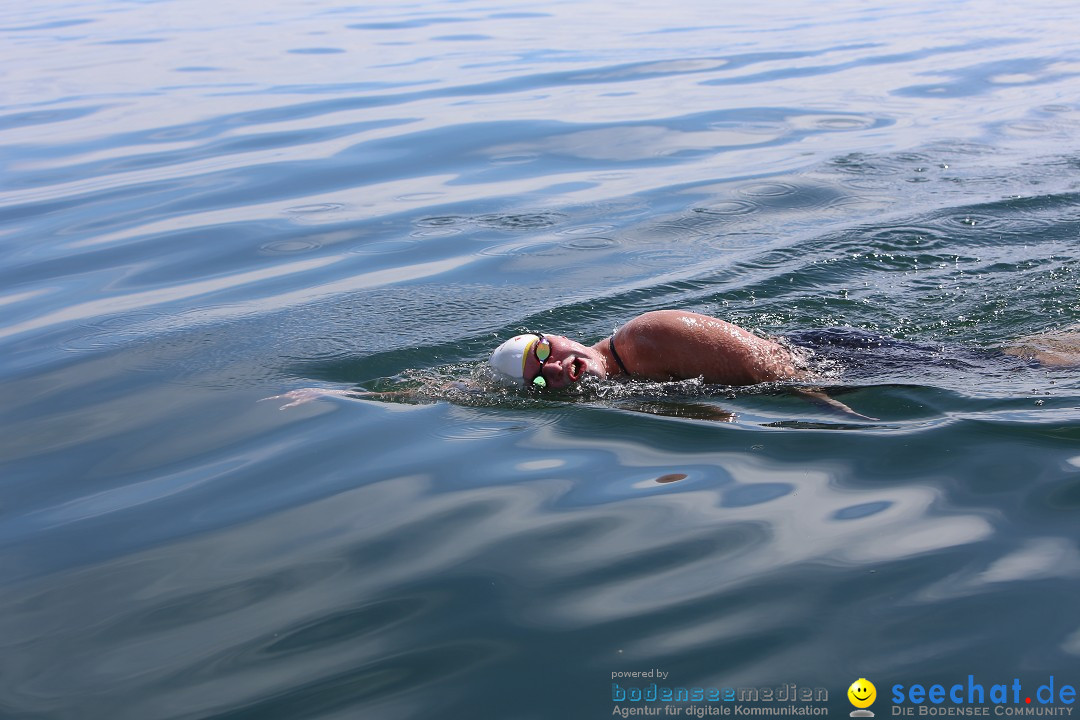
{"points": [[204, 205]]}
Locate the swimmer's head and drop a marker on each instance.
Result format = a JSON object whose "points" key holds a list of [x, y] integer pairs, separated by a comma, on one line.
{"points": [[546, 361], [508, 360]]}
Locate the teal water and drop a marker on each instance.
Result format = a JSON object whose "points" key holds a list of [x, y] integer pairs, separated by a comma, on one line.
{"points": [[203, 206]]}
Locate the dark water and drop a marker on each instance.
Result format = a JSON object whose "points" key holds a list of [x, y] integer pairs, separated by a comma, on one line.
{"points": [[206, 205]]}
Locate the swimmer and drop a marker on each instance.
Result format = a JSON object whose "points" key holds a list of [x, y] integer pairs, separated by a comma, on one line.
{"points": [[661, 345], [666, 345], [669, 345]]}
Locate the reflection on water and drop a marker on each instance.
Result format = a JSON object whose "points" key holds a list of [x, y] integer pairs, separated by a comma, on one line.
{"points": [[206, 207]]}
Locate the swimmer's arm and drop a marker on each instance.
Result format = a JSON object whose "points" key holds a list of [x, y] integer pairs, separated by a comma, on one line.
{"points": [[818, 397], [306, 395], [696, 411]]}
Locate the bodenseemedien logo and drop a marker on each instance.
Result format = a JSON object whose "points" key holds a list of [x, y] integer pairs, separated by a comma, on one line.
{"points": [[862, 694]]}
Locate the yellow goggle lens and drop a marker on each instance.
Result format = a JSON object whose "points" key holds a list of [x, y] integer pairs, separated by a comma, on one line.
{"points": [[542, 350]]}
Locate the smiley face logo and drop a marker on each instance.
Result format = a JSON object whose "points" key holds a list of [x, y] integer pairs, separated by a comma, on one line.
{"points": [[862, 693]]}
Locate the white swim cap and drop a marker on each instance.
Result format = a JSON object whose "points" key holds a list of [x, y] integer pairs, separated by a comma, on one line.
{"points": [[509, 358]]}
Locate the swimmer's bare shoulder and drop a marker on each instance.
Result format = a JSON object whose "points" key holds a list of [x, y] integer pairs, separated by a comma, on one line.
{"points": [[677, 344]]}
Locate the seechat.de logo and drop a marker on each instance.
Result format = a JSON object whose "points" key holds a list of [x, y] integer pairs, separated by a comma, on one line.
{"points": [[862, 694]]}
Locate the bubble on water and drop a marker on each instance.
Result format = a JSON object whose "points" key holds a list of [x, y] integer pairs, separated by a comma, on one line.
{"points": [[845, 123], [590, 243], [587, 230], [520, 221], [436, 232], [313, 208], [532, 248], [769, 189], [726, 208], [439, 221], [285, 247]]}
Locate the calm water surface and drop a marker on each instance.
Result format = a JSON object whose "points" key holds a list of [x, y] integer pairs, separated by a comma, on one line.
{"points": [[203, 205]]}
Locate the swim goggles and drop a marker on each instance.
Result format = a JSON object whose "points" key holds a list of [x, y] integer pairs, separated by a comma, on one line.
{"points": [[542, 350]]}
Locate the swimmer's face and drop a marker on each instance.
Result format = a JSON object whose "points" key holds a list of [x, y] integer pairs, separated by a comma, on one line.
{"points": [[568, 363]]}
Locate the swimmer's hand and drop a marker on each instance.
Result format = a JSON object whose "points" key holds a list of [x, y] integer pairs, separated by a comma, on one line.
{"points": [[1056, 348], [306, 395], [409, 395], [818, 397]]}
